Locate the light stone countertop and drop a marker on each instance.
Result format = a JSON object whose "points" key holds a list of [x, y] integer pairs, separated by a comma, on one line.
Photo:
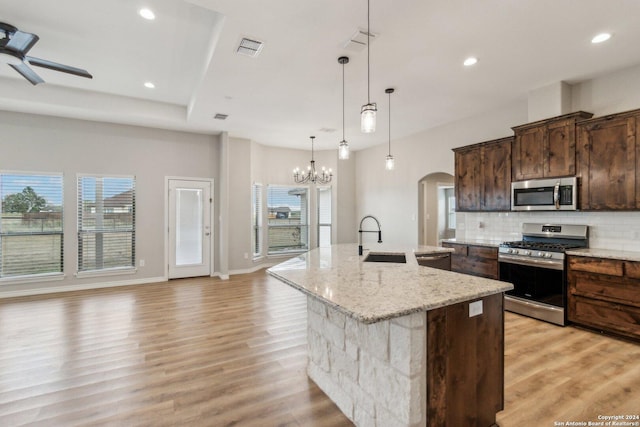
{"points": [[477, 242], [374, 291], [606, 253]]}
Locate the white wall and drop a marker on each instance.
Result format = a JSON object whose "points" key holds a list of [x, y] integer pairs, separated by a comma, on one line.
{"points": [[392, 196], [34, 143]]}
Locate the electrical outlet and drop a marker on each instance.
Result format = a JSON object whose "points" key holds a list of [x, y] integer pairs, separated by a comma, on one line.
{"points": [[141, 263], [475, 308], [246, 255]]}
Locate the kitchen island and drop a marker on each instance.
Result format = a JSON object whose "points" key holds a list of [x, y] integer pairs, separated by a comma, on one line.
{"points": [[398, 344]]}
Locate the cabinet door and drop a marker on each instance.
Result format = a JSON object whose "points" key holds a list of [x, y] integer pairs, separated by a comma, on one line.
{"points": [[560, 149], [496, 171], [607, 152], [528, 153], [468, 179]]}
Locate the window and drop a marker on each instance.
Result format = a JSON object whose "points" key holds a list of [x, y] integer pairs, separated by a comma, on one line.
{"points": [[31, 237], [450, 197], [288, 226], [106, 222], [324, 216], [256, 220]]}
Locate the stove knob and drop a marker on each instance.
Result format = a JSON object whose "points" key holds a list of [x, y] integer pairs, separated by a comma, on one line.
{"points": [[526, 253], [541, 254], [548, 255]]}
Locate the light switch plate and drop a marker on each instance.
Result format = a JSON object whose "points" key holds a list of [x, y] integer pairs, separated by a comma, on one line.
{"points": [[475, 308]]}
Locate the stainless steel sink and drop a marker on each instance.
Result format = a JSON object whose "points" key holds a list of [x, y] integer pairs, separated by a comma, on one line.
{"points": [[386, 257]]}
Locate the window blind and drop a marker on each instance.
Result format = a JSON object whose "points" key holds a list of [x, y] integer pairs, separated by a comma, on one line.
{"points": [[31, 225], [106, 222], [256, 235], [324, 216], [288, 214]]}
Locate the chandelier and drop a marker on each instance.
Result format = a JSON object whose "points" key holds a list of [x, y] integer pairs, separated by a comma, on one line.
{"points": [[311, 175]]}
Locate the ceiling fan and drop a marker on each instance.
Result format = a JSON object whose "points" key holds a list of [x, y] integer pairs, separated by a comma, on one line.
{"points": [[14, 45]]}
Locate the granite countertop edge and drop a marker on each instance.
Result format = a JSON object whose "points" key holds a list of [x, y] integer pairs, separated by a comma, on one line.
{"points": [[303, 274], [476, 242], [386, 316], [606, 253]]}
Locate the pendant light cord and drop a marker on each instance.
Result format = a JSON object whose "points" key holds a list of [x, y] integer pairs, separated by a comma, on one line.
{"points": [[389, 123], [368, 53], [343, 101]]}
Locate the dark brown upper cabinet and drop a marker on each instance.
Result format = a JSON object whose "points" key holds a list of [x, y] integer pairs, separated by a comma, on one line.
{"points": [[609, 162], [483, 176], [546, 148]]}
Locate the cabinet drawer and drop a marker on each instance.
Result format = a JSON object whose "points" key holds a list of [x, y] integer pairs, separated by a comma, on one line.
{"points": [[476, 266], [632, 270], [608, 288], [457, 249], [483, 252], [596, 265], [606, 316]]}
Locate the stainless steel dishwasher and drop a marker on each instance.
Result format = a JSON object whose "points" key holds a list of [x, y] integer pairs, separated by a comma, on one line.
{"points": [[441, 261]]}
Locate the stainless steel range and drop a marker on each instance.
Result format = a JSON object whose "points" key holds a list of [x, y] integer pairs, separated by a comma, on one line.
{"points": [[536, 267]]}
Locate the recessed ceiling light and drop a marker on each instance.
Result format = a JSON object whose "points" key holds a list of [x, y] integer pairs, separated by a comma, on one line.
{"points": [[602, 37], [149, 85], [147, 14], [472, 60]]}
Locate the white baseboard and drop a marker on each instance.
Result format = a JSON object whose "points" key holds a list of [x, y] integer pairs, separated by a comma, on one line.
{"points": [[81, 287], [254, 268]]}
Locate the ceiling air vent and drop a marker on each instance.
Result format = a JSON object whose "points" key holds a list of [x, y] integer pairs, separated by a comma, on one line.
{"points": [[249, 47], [358, 41], [220, 116]]}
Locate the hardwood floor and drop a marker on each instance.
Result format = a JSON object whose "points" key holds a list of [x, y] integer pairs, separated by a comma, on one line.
{"points": [[206, 352]]}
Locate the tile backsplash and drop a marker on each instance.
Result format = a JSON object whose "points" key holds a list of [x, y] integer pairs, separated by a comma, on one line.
{"points": [[607, 230]]}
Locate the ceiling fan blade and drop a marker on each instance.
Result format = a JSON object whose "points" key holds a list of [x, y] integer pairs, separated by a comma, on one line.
{"points": [[27, 73], [21, 42], [58, 67]]}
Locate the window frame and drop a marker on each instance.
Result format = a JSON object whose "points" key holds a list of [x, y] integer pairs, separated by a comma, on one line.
{"points": [[306, 224], [37, 277], [320, 224], [257, 212], [105, 271]]}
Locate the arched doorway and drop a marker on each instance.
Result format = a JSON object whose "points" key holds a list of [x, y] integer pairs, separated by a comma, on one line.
{"points": [[436, 202]]}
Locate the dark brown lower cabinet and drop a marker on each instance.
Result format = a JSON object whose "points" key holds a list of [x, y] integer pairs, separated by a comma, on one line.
{"points": [[604, 294], [465, 364], [476, 260]]}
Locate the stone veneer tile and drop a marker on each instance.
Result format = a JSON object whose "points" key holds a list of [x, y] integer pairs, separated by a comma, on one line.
{"points": [[362, 400], [334, 334], [342, 365], [392, 390], [318, 349], [316, 306], [339, 397], [374, 337], [406, 348], [315, 321], [336, 317], [412, 321]]}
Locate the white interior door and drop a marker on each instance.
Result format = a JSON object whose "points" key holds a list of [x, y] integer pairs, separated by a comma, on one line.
{"points": [[189, 228]]}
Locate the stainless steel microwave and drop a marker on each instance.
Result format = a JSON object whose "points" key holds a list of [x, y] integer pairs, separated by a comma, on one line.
{"points": [[553, 194]]}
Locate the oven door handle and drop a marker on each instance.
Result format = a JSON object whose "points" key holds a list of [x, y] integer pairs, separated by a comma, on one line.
{"points": [[556, 195], [533, 262]]}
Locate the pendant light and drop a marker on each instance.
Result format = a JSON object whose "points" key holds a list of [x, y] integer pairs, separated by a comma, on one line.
{"points": [[368, 112], [343, 148], [389, 164], [311, 175]]}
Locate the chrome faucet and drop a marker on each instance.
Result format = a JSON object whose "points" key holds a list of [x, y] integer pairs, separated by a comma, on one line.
{"points": [[360, 231]]}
